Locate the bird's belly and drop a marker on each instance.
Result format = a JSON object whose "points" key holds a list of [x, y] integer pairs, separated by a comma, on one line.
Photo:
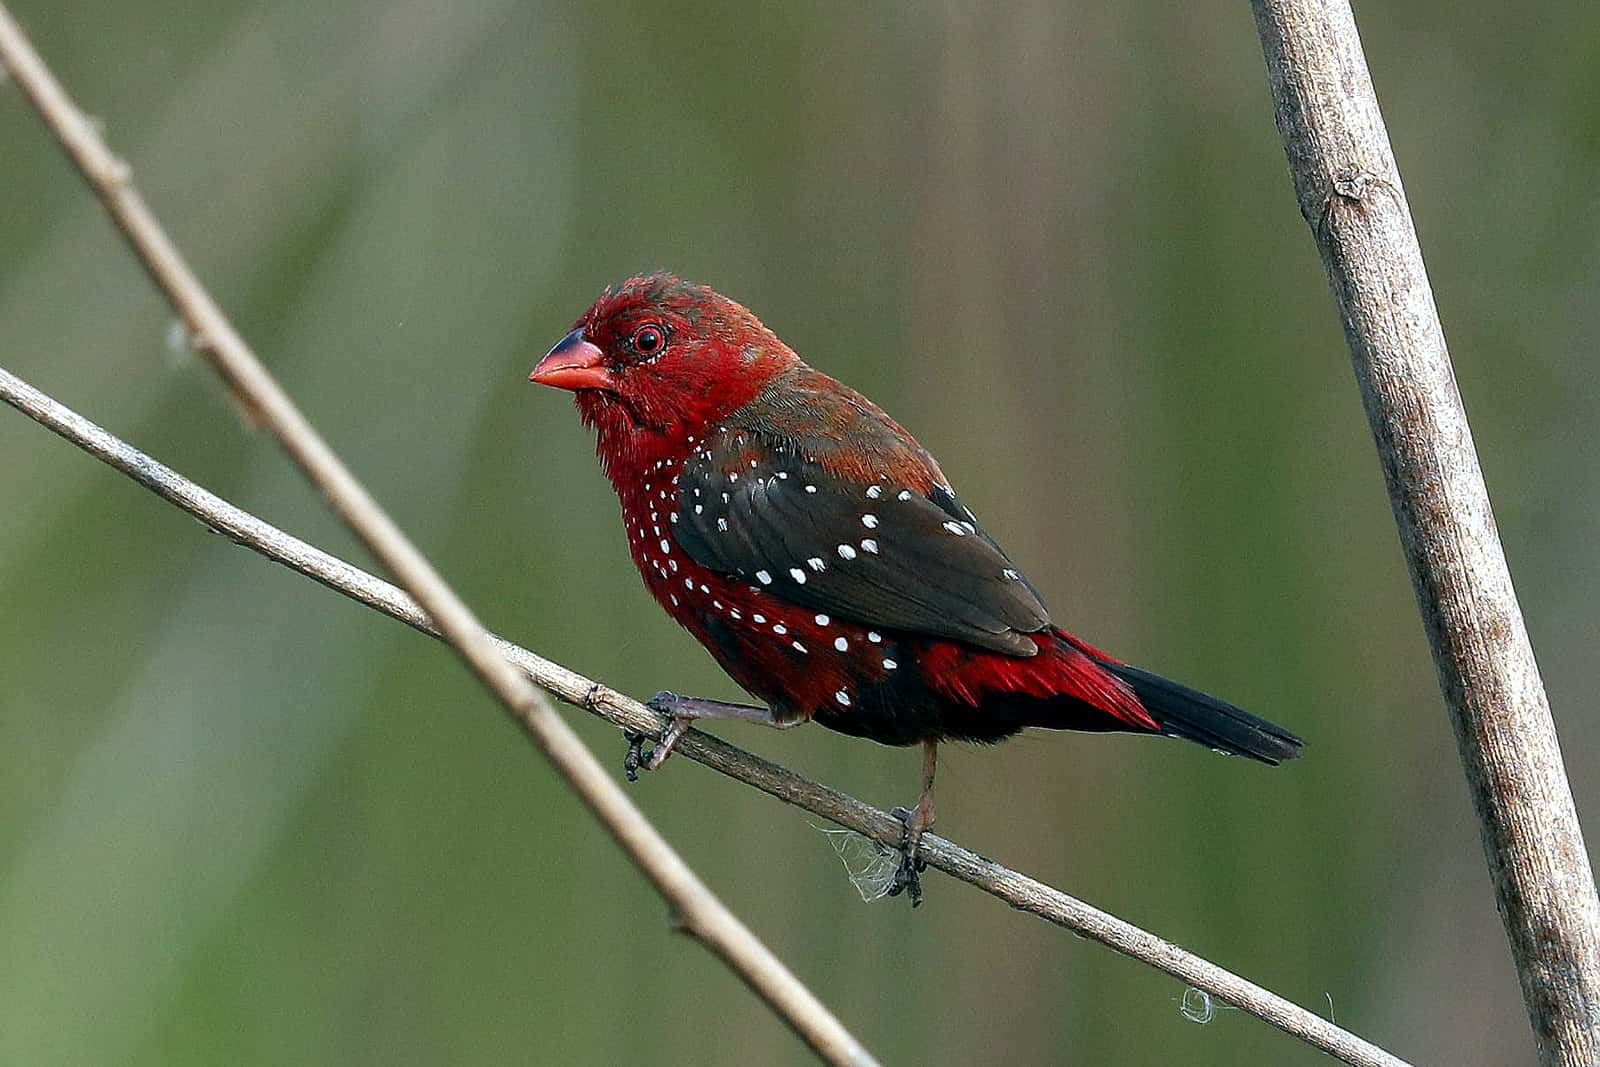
{"points": [[799, 661]]}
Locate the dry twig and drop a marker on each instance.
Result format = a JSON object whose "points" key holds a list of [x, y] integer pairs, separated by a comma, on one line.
{"points": [[698, 910], [1016, 889], [1350, 193]]}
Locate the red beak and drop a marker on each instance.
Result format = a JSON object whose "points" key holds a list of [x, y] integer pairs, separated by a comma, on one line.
{"points": [[573, 364]]}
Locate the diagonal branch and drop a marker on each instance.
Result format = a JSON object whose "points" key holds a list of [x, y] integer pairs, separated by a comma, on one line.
{"points": [[699, 911], [1016, 889], [1349, 190]]}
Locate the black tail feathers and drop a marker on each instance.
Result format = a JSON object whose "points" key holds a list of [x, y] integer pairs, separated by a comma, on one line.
{"points": [[1194, 715]]}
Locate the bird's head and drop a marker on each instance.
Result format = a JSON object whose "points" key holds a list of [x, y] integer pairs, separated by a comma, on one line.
{"points": [[657, 359]]}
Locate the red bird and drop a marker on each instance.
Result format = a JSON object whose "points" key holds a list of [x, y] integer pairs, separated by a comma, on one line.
{"points": [[820, 555]]}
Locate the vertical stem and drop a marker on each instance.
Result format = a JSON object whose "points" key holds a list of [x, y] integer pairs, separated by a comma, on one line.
{"points": [[1350, 193]]}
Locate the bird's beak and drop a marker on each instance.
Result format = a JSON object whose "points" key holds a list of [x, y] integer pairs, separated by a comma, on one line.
{"points": [[573, 364]]}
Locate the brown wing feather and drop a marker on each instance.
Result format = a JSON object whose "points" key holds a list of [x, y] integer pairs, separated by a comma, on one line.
{"points": [[767, 499]]}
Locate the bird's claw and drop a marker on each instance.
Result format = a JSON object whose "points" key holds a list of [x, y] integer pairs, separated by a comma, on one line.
{"points": [[907, 877], [663, 702], [637, 758]]}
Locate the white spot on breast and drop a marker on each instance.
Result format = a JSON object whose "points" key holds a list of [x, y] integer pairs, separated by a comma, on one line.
{"points": [[955, 528], [664, 546], [841, 644], [735, 613], [763, 577], [869, 545], [779, 628], [904, 494], [870, 521], [874, 491], [846, 552], [673, 516], [717, 604], [842, 697], [822, 620], [874, 636], [760, 619], [688, 583], [816, 563], [674, 598], [798, 575], [798, 647], [889, 664], [703, 588], [673, 564]]}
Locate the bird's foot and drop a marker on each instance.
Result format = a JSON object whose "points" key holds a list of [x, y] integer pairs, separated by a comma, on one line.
{"points": [[637, 758], [908, 876]]}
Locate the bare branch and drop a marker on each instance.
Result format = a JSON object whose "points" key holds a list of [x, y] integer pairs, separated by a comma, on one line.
{"points": [[1018, 890], [1350, 193], [697, 908]]}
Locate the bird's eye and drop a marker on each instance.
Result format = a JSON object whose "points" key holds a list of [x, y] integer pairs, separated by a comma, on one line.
{"points": [[649, 339]]}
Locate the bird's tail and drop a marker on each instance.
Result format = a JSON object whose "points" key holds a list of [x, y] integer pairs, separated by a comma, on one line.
{"points": [[1191, 714]]}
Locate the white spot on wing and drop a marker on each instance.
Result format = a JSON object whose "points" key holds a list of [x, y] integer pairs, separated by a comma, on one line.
{"points": [[874, 491], [798, 575], [869, 545], [870, 521], [763, 577], [842, 697], [955, 528], [889, 664], [846, 552], [816, 563], [904, 494]]}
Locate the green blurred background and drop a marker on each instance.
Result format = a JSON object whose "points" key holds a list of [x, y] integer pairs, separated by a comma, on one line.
{"points": [[245, 821]]}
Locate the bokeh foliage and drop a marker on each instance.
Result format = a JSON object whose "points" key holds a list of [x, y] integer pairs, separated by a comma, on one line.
{"points": [[247, 822]]}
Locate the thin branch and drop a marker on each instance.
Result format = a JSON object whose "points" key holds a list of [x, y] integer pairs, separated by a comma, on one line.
{"points": [[698, 910], [1018, 890], [1350, 193]]}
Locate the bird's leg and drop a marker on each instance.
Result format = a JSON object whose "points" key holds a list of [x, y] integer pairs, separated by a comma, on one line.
{"points": [[684, 711], [907, 879]]}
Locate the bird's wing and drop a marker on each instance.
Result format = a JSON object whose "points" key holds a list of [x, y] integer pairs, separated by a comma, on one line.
{"points": [[758, 506]]}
